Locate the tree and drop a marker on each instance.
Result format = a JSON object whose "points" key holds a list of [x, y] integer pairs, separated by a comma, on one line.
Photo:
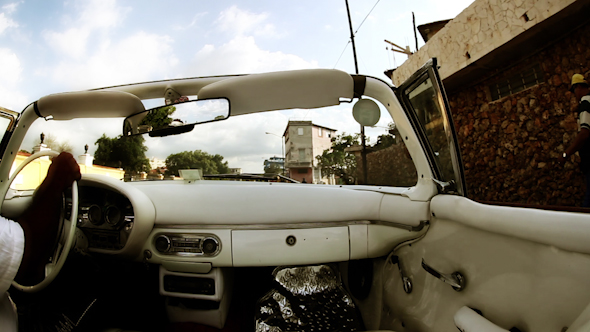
{"points": [[127, 153], [272, 168], [274, 165], [336, 161], [386, 140], [160, 117], [211, 164]]}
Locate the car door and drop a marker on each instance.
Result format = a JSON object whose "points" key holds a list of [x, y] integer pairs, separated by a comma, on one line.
{"points": [[521, 269], [8, 120]]}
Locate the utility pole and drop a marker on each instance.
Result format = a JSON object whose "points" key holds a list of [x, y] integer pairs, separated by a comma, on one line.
{"points": [[415, 35], [356, 68]]}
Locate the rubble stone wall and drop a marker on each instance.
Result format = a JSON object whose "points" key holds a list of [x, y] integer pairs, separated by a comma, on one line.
{"points": [[391, 166], [510, 146]]}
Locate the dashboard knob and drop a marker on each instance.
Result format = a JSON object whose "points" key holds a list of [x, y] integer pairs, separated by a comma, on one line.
{"points": [[163, 243], [210, 246]]}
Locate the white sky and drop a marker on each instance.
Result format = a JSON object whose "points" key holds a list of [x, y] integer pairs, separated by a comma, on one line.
{"points": [[55, 46]]}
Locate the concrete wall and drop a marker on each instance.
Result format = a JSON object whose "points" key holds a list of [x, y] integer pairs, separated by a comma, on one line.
{"points": [[296, 142], [320, 143], [481, 28]]}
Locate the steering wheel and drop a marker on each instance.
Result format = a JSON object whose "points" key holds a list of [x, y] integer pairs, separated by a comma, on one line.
{"points": [[67, 231]]}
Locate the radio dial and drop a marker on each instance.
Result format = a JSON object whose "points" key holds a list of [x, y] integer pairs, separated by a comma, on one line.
{"points": [[163, 243], [210, 246]]}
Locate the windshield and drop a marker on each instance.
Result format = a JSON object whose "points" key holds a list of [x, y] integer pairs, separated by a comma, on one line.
{"points": [[320, 146]]}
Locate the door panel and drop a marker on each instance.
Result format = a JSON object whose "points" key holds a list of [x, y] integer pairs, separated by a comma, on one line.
{"points": [[514, 282]]}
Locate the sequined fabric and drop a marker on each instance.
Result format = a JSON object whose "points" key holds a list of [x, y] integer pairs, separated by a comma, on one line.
{"points": [[307, 298]]}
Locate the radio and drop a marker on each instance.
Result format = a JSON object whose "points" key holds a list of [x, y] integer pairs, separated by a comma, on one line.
{"points": [[187, 244]]}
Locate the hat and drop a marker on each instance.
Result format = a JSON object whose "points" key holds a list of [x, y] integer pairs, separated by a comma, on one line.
{"points": [[577, 79]]}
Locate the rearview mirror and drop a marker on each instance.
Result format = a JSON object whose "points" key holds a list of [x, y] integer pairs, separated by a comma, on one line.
{"points": [[176, 118]]}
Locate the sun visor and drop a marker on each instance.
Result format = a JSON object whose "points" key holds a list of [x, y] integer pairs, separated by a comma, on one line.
{"points": [[310, 88], [88, 104]]}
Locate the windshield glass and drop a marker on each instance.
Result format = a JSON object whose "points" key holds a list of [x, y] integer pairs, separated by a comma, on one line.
{"points": [[320, 146]]}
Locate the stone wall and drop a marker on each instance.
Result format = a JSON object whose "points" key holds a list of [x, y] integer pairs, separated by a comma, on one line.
{"points": [[510, 146], [481, 28], [391, 166]]}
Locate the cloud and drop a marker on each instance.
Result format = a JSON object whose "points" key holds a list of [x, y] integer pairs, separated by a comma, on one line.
{"points": [[6, 22], [241, 55], [10, 67], [10, 71], [100, 14], [71, 43], [93, 19], [239, 22], [194, 21], [10, 8], [139, 57]]}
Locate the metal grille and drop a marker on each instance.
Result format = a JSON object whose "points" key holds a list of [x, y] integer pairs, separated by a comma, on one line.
{"points": [[524, 79]]}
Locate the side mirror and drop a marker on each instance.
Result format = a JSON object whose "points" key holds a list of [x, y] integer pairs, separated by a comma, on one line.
{"points": [[177, 118], [366, 112]]}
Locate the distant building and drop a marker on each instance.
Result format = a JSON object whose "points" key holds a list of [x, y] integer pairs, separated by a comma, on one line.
{"points": [[304, 141], [157, 163], [235, 171]]}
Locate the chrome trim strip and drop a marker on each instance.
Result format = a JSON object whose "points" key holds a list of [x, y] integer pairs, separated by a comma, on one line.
{"points": [[411, 228]]}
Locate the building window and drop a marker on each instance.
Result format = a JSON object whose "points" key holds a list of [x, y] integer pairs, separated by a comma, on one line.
{"points": [[523, 79], [300, 131], [302, 170], [301, 154], [320, 132]]}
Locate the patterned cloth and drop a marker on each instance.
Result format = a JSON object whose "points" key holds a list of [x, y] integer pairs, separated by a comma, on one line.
{"points": [[308, 298]]}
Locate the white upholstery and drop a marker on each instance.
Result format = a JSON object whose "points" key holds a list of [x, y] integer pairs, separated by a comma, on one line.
{"points": [[569, 231], [468, 320]]}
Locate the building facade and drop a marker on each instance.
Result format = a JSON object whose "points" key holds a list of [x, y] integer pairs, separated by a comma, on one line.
{"points": [[304, 141], [506, 67], [157, 163]]}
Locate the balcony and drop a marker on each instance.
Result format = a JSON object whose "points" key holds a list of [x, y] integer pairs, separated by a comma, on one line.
{"points": [[294, 164]]}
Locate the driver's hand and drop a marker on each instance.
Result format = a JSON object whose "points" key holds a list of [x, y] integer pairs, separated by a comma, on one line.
{"points": [[41, 220], [62, 172]]}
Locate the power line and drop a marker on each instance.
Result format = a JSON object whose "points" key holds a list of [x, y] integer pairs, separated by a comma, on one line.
{"points": [[340, 57], [357, 29]]}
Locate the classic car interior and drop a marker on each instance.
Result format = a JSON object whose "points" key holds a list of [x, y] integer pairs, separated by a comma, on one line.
{"points": [[198, 254]]}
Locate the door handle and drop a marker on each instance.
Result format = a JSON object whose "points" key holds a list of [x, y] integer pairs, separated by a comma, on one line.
{"points": [[455, 279]]}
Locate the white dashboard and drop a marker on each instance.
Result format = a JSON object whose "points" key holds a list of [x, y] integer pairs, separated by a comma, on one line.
{"points": [[196, 226]]}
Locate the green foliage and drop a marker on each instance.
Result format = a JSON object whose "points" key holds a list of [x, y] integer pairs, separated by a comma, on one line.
{"points": [[338, 162], [386, 140], [273, 168], [211, 164], [160, 117], [127, 153]]}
